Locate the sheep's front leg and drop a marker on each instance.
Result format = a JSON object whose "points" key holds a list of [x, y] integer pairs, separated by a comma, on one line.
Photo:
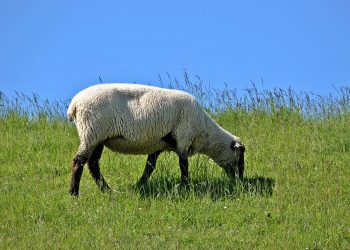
{"points": [[150, 166], [77, 170], [183, 162], [94, 168]]}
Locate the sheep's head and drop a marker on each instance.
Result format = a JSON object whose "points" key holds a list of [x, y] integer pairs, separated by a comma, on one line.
{"points": [[235, 167]]}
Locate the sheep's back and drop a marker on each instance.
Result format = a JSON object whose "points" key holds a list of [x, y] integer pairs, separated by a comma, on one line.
{"points": [[141, 115]]}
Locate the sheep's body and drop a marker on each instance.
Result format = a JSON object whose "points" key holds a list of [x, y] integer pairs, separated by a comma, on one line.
{"points": [[131, 118], [139, 119]]}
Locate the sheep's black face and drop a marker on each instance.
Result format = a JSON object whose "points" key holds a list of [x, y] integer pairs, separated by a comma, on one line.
{"points": [[236, 167]]}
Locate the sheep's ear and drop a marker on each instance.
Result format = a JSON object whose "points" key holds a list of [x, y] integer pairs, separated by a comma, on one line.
{"points": [[236, 145]]}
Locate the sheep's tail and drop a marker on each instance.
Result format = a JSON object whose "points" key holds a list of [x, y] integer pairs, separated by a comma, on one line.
{"points": [[71, 112]]}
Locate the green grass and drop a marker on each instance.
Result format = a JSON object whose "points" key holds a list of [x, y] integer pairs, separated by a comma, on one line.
{"points": [[296, 193]]}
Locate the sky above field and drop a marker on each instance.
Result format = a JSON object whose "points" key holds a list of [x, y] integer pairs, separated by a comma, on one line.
{"points": [[56, 48]]}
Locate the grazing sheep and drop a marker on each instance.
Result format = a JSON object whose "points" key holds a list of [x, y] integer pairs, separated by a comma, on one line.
{"points": [[139, 119]]}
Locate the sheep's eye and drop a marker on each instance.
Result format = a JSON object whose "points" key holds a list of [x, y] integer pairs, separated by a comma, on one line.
{"points": [[235, 146]]}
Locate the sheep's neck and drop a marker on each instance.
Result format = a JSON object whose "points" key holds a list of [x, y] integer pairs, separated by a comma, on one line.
{"points": [[215, 140]]}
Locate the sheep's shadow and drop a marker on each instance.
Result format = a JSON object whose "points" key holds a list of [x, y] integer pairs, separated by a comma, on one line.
{"points": [[216, 189]]}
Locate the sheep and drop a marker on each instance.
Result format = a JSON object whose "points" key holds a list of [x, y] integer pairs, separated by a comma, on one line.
{"points": [[141, 119]]}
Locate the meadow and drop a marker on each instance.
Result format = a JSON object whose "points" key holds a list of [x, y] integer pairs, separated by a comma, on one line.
{"points": [[295, 194]]}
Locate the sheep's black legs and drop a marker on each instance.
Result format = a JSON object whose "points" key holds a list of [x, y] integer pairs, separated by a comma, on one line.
{"points": [[77, 170], [183, 161], [150, 166], [94, 168]]}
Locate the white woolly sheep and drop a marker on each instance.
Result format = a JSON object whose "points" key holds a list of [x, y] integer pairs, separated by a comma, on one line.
{"points": [[139, 119]]}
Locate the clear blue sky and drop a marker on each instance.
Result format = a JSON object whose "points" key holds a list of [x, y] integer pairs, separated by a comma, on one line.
{"points": [[55, 48]]}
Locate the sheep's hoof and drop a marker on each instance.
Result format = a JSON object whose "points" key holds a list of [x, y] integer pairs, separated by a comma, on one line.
{"points": [[74, 193], [184, 184], [106, 189], [140, 183], [103, 186]]}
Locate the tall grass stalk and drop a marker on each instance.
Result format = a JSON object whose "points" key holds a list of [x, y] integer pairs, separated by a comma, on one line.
{"points": [[214, 100]]}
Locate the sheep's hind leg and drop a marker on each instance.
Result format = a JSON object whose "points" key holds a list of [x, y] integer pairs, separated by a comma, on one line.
{"points": [[94, 167], [77, 170], [150, 166]]}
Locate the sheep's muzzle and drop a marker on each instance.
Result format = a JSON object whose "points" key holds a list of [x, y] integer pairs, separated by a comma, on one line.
{"points": [[236, 169]]}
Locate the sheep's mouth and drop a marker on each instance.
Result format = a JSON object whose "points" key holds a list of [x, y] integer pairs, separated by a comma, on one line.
{"points": [[236, 169]]}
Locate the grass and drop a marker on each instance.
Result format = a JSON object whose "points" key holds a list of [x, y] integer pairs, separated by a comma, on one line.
{"points": [[296, 193]]}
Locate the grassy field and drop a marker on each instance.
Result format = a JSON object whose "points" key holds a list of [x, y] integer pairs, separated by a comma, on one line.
{"points": [[295, 195]]}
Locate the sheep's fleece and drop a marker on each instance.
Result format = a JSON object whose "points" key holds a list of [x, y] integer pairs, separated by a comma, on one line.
{"points": [[134, 119]]}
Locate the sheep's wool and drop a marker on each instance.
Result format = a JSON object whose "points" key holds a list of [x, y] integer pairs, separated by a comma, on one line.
{"points": [[135, 119]]}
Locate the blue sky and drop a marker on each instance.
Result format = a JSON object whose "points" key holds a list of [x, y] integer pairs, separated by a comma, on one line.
{"points": [[56, 48]]}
